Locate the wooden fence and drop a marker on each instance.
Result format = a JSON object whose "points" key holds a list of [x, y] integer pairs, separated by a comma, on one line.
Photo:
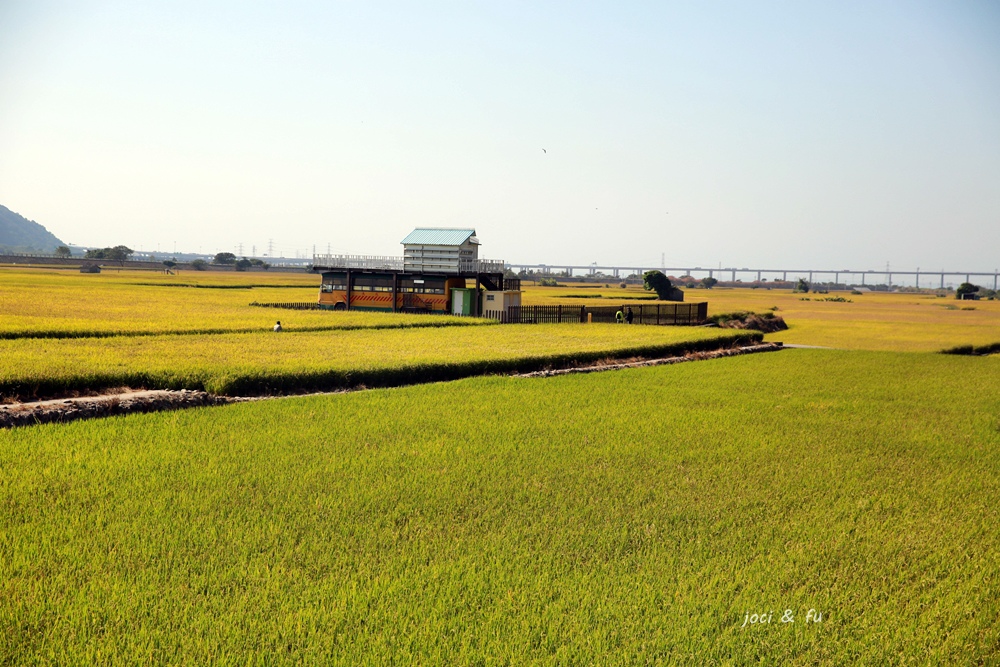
{"points": [[538, 314], [290, 305], [660, 313]]}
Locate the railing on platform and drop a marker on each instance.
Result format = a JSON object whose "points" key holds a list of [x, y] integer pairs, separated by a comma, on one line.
{"points": [[482, 265], [386, 263], [359, 262]]}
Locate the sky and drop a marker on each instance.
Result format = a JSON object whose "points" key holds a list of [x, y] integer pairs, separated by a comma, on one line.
{"points": [[747, 134]]}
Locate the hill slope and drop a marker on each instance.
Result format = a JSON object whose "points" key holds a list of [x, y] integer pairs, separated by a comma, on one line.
{"points": [[19, 234]]}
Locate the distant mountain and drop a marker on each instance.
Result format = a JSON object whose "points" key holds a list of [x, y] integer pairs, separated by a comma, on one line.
{"points": [[18, 234]]}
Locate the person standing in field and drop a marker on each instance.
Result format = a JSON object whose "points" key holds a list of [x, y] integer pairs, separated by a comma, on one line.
{"points": [[277, 327], [628, 315], [619, 317]]}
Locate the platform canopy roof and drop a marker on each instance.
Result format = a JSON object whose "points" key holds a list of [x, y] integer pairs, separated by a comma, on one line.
{"points": [[440, 236]]}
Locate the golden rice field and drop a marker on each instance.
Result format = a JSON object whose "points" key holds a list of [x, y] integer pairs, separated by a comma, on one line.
{"points": [[55, 303], [628, 517], [41, 302], [291, 361], [911, 322]]}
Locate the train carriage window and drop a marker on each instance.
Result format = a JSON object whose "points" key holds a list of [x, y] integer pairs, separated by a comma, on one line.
{"points": [[333, 282]]}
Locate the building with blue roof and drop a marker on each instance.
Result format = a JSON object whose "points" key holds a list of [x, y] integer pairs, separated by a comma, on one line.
{"points": [[439, 249]]}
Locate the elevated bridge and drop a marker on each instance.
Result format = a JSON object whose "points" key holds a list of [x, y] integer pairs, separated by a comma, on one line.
{"points": [[927, 279]]}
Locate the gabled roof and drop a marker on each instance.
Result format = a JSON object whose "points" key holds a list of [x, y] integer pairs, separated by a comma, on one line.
{"points": [[439, 236]]}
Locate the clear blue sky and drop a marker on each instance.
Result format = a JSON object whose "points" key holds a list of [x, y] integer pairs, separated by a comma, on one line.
{"points": [[837, 134]]}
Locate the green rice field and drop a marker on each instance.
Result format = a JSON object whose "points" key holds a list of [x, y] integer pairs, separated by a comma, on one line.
{"points": [[629, 517]]}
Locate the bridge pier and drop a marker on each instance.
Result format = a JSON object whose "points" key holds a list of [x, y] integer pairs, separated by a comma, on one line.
{"points": [[784, 277], [758, 276], [734, 275], [942, 280], [836, 279]]}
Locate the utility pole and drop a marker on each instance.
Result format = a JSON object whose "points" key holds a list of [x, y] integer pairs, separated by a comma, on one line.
{"points": [[241, 250], [254, 250]]}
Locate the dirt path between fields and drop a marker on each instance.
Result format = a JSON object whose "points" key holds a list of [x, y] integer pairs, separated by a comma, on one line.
{"points": [[129, 401]]}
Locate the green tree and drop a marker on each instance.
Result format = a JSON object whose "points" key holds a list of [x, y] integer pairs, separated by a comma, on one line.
{"points": [[119, 253], [709, 282], [242, 264], [199, 265], [801, 286], [965, 288], [224, 258], [63, 251], [659, 283]]}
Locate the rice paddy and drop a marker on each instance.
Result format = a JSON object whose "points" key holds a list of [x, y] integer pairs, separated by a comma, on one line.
{"points": [[64, 304], [268, 362], [647, 516], [621, 518], [900, 321]]}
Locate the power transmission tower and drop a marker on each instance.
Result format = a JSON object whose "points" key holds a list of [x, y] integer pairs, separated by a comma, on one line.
{"points": [[270, 247]]}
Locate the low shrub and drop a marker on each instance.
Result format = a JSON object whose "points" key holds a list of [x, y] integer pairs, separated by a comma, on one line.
{"points": [[974, 350], [765, 322]]}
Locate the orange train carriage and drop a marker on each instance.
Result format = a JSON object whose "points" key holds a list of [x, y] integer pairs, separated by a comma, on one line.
{"points": [[374, 291]]}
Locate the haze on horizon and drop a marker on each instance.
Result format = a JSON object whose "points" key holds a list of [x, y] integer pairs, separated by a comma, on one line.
{"points": [[838, 135]]}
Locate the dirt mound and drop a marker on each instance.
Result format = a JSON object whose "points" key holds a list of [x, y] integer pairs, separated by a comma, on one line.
{"points": [[42, 412]]}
